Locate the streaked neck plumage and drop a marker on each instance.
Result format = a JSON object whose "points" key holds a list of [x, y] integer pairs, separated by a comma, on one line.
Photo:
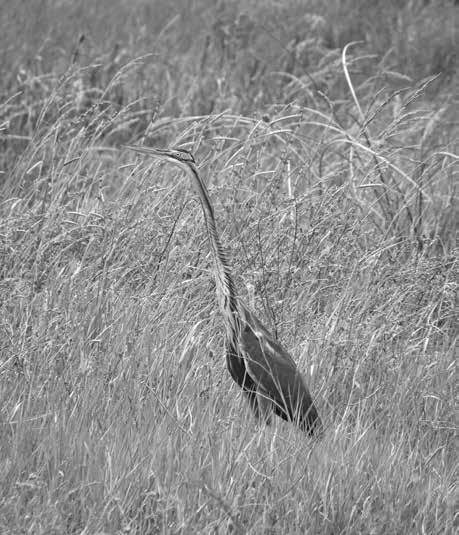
{"points": [[226, 290]]}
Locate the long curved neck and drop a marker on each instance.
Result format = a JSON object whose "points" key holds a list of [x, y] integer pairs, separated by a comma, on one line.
{"points": [[226, 290]]}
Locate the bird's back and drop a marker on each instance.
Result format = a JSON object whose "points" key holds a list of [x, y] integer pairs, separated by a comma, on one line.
{"points": [[275, 374]]}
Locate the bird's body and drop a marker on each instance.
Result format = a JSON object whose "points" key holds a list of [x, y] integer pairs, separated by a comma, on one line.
{"points": [[268, 375], [256, 361]]}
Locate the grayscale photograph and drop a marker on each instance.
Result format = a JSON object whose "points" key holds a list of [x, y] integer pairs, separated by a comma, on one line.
{"points": [[229, 269]]}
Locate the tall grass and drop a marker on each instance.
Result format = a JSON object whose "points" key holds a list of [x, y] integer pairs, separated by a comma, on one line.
{"points": [[333, 170]]}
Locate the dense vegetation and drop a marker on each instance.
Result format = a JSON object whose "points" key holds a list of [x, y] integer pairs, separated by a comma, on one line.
{"points": [[328, 136]]}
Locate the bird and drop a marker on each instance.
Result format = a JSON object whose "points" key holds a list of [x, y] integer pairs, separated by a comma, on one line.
{"points": [[257, 362]]}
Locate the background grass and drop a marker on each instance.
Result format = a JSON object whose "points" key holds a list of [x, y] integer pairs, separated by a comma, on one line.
{"points": [[334, 174]]}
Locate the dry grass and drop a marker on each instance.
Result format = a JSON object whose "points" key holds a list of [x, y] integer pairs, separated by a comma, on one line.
{"points": [[333, 170]]}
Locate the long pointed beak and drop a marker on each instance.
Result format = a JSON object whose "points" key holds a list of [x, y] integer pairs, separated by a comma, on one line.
{"points": [[160, 154], [149, 151]]}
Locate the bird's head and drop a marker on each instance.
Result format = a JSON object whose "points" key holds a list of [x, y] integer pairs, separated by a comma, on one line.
{"points": [[185, 161], [180, 157]]}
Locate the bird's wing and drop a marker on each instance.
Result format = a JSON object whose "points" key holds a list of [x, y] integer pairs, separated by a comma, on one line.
{"points": [[272, 368], [265, 337]]}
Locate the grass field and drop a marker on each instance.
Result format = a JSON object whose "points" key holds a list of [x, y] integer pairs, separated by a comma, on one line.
{"points": [[327, 133]]}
